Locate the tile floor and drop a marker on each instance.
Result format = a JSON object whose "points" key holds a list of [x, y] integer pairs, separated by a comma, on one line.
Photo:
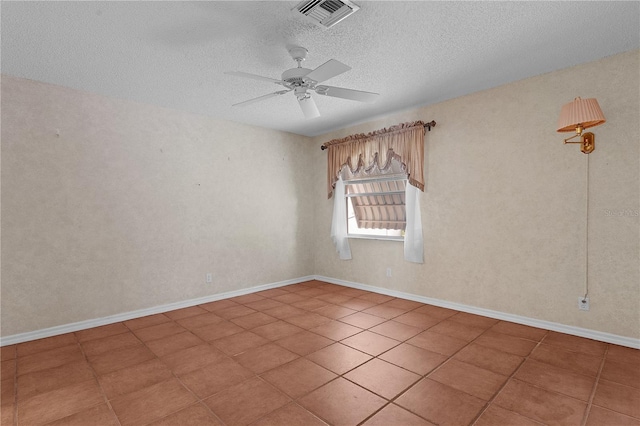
{"points": [[314, 354]]}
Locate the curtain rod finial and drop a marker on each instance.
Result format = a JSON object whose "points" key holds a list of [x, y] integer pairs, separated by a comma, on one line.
{"points": [[322, 147]]}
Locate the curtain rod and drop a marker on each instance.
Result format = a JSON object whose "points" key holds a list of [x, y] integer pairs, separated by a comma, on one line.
{"points": [[427, 126]]}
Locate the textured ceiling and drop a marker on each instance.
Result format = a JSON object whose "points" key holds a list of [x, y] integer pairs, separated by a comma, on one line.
{"points": [[174, 54]]}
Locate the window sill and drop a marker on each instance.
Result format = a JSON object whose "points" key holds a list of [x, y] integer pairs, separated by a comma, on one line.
{"points": [[375, 237]]}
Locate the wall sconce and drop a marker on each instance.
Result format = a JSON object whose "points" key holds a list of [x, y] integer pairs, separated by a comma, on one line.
{"points": [[577, 116]]}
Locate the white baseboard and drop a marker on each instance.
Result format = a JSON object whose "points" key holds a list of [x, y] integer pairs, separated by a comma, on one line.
{"points": [[547, 325], [97, 322]]}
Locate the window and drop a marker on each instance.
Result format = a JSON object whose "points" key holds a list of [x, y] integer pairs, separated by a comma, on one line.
{"points": [[376, 208], [375, 200]]}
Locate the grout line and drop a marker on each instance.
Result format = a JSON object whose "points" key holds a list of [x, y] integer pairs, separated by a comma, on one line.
{"points": [[587, 411]]}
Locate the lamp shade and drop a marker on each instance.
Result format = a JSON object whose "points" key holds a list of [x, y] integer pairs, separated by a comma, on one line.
{"points": [[583, 112]]}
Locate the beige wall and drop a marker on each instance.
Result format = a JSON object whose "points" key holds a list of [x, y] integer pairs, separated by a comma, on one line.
{"points": [[504, 207], [131, 205]]}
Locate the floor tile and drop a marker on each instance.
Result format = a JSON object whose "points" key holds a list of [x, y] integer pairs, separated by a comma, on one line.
{"points": [[457, 330], [7, 414], [99, 332], [265, 358], [539, 404], [357, 304], [407, 305], [304, 343], [341, 402], [216, 377], [436, 311], [110, 343], [99, 415], [186, 312], [489, 359], [382, 378], [556, 379], [575, 343], [285, 311], [394, 415], [376, 297], [417, 319], [519, 330], [218, 305], [198, 321], [371, 343], [440, 404], [396, 330], [193, 358], [217, 331], [158, 331], [564, 358], [8, 368], [616, 397], [56, 404], [246, 402], [264, 304], [385, 311], [152, 403], [8, 392], [134, 378], [334, 298], [600, 416], [495, 415], [41, 345], [8, 352], [247, 298], [506, 343], [174, 343], [44, 360], [353, 292], [311, 292], [298, 377], [623, 354], [272, 292], [253, 320], [338, 358], [334, 311], [362, 320], [474, 320], [625, 373], [412, 358], [308, 320], [147, 321], [234, 312], [276, 330], [470, 379], [238, 343], [290, 415], [436, 342], [309, 304], [32, 384], [291, 298], [120, 358], [194, 415], [336, 330]]}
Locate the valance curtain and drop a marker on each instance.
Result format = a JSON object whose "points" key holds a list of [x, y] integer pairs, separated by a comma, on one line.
{"points": [[405, 140]]}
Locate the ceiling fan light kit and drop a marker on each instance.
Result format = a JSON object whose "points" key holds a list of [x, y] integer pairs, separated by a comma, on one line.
{"points": [[303, 80]]}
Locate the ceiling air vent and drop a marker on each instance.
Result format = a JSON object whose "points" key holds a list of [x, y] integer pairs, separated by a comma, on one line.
{"points": [[326, 13]]}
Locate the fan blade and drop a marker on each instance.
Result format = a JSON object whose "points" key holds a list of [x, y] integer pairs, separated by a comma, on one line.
{"points": [[329, 69], [339, 92], [261, 98], [253, 76], [309, 108]]}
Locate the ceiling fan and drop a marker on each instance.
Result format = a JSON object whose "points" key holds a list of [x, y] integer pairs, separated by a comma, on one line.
{"points": [[303, 80]]}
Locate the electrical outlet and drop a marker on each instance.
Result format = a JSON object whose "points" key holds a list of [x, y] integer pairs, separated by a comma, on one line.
{"points": [[388, 272], [209, 277], [583, 303]]}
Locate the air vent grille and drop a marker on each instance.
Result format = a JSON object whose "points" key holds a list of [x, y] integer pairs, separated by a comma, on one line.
{"points": [[326, 13]]}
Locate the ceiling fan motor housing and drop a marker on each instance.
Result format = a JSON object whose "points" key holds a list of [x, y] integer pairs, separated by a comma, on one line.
{"points": [[295, 76]]}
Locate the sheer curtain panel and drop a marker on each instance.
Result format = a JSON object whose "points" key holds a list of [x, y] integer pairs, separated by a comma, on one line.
{"points": [[339, 222], [413, 242]]}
